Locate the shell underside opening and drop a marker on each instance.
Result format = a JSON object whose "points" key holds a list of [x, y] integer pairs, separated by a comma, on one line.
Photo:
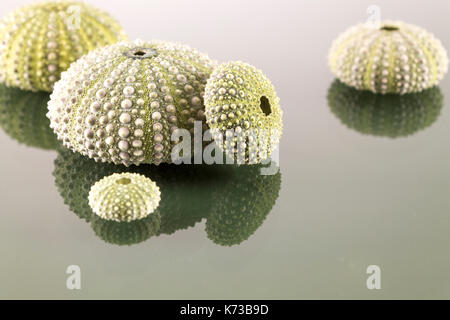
{"points": [[141, 53], [265, 106]]}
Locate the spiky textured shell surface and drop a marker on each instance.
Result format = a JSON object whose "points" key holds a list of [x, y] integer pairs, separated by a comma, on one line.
{"points": [[22, 117], [41, 40], [241, 101], [395, 57], [389, 115], [124, 197], [122, 102]]}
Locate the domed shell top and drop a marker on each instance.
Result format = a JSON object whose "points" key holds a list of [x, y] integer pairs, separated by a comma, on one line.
{"points": [[121, 103], [39, 41], [124, 197], [395, 57], [240, 98]]}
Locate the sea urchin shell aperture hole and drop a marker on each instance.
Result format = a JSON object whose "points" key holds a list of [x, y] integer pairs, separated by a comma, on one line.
{"points": [[265, 106], [123, 181], [389, 28], [141, 53]]}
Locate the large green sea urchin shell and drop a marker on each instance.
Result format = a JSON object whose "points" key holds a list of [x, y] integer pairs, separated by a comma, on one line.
{"points": [[387, 115], [121, 103], [39, 41], [124, 197], [22, 117], [241, 101], [241, 204], [393, 58]]}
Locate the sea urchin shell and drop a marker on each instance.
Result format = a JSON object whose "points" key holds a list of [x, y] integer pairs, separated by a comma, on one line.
{"points": [[241, 101], [393, 58], [124, 197], [122, 102], [39, 41]]}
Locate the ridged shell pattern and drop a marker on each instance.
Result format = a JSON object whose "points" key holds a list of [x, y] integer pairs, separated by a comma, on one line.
{"points": [[124, 197], [395, 58], [40, 40], [122, 102], [241, 101]]}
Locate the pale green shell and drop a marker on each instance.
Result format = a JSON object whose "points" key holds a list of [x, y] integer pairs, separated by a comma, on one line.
{"points": [[394, 57], [40, 40], [241, 100], [122, 102], [124, 197]]}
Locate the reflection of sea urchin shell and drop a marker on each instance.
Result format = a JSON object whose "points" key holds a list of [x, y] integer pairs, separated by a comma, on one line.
{"points": [[126, 233], [389, 115], [240, 100], [121, 103], [393, 58], [22, 117], [241, 204], [41, 40], [124, 197]]}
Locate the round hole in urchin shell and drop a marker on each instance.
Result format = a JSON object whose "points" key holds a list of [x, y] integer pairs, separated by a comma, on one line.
{"points": [[141, 53], [123, 181], [265, 106], [389, 28]]}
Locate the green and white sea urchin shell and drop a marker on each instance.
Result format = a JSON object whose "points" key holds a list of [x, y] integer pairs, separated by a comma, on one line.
{"points": [[41, 40], [122, 102], [393, 58], [22, 117], [124, 197], [240, 100]]}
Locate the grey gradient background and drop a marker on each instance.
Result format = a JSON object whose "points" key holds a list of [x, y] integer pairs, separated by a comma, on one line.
{"points": [[347, 200]]}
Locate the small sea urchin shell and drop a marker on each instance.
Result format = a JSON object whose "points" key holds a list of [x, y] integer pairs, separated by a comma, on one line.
{"points": [[184, 188], [241, 102], [39, 41], [393, 58], [124, 197], [389, 115], [233, 199], [122, 102]]}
